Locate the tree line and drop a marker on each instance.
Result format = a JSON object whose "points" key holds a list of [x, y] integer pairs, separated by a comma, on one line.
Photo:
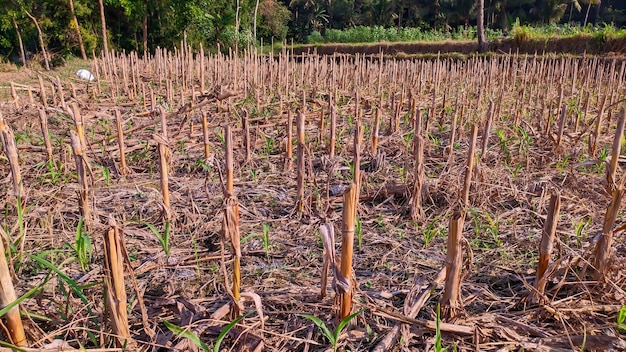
{"points": [[49, 31]]}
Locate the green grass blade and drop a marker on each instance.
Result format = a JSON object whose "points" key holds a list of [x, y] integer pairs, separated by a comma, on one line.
{"points": [[317, 321], [225, 332], [10, 306], [621, 320], [65, 278], [186, 334]]}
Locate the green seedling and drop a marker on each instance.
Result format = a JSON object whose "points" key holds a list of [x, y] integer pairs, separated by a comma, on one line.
{"points": [[438, 347], [164, 238], [264, 237], [333, 337], [503, 145], [431, 231], [186, 334], [82, 247], [225, 331], [269, 145], [358, 232], [621, 320], [490, 226], [582, 224]]}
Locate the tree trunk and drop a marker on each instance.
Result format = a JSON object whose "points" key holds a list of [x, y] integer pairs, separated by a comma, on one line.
{"points": [[256, 10], [80, 37], [144, 28], [587, 14], [237, 18], [105, 42], [41, 43], [595, 20], [19, 39], [480, 18]]}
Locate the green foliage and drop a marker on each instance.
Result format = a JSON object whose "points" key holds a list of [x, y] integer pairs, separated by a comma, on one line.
{"points": [[186, 334], [164, 238], [333, 337], [621, 320], [363, 34]]}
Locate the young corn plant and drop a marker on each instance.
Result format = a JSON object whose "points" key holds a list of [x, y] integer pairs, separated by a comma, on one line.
{"points": [[438, 347], [264, 237], [82, 246], [621, 320], [358, 233], [333, 337], [164, 238]]}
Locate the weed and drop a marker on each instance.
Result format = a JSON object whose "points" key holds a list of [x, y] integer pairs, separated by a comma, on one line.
{"points": [[333, 337]]}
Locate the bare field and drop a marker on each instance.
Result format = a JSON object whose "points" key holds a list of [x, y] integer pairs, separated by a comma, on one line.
{"points": [[135, 244]]}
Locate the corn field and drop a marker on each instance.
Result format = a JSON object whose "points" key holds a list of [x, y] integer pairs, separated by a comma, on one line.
{"points": [[188, 201]]}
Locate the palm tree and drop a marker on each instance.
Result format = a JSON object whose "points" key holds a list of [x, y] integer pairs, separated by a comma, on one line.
{"points": [[573, 4], [550, 11], [589, 3]]}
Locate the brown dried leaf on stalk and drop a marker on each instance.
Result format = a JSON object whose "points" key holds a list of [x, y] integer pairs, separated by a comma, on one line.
{"points": [[115, 288], [230, 225], [340, 283]]}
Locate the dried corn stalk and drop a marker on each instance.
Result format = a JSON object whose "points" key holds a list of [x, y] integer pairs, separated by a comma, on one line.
{"points": [[418, 156], [300, 120], [83, 187], [42, 93], [120, 142], [16, 99], [246, 134], [547, 243], [205, 135], [376, 130], [347, 246], [230, 223], [602, 250], [559, 135], [451, 299], [115, 288], [43, 121], [333, 132], [7, 296], [487, 130], [10, 149], [611, 172]]}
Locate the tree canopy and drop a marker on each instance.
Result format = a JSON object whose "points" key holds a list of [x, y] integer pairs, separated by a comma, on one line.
{"points": [[145, 25]]}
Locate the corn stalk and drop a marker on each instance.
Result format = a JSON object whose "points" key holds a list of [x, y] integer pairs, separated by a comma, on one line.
{"points": [[83, 187], [120, 142], [418, 156], [347, 246], [10, 149], [7, 296], [115, 288], [547, 243]]}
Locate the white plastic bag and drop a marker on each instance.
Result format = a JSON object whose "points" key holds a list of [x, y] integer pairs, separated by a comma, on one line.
{"points": [[86, 75]]}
